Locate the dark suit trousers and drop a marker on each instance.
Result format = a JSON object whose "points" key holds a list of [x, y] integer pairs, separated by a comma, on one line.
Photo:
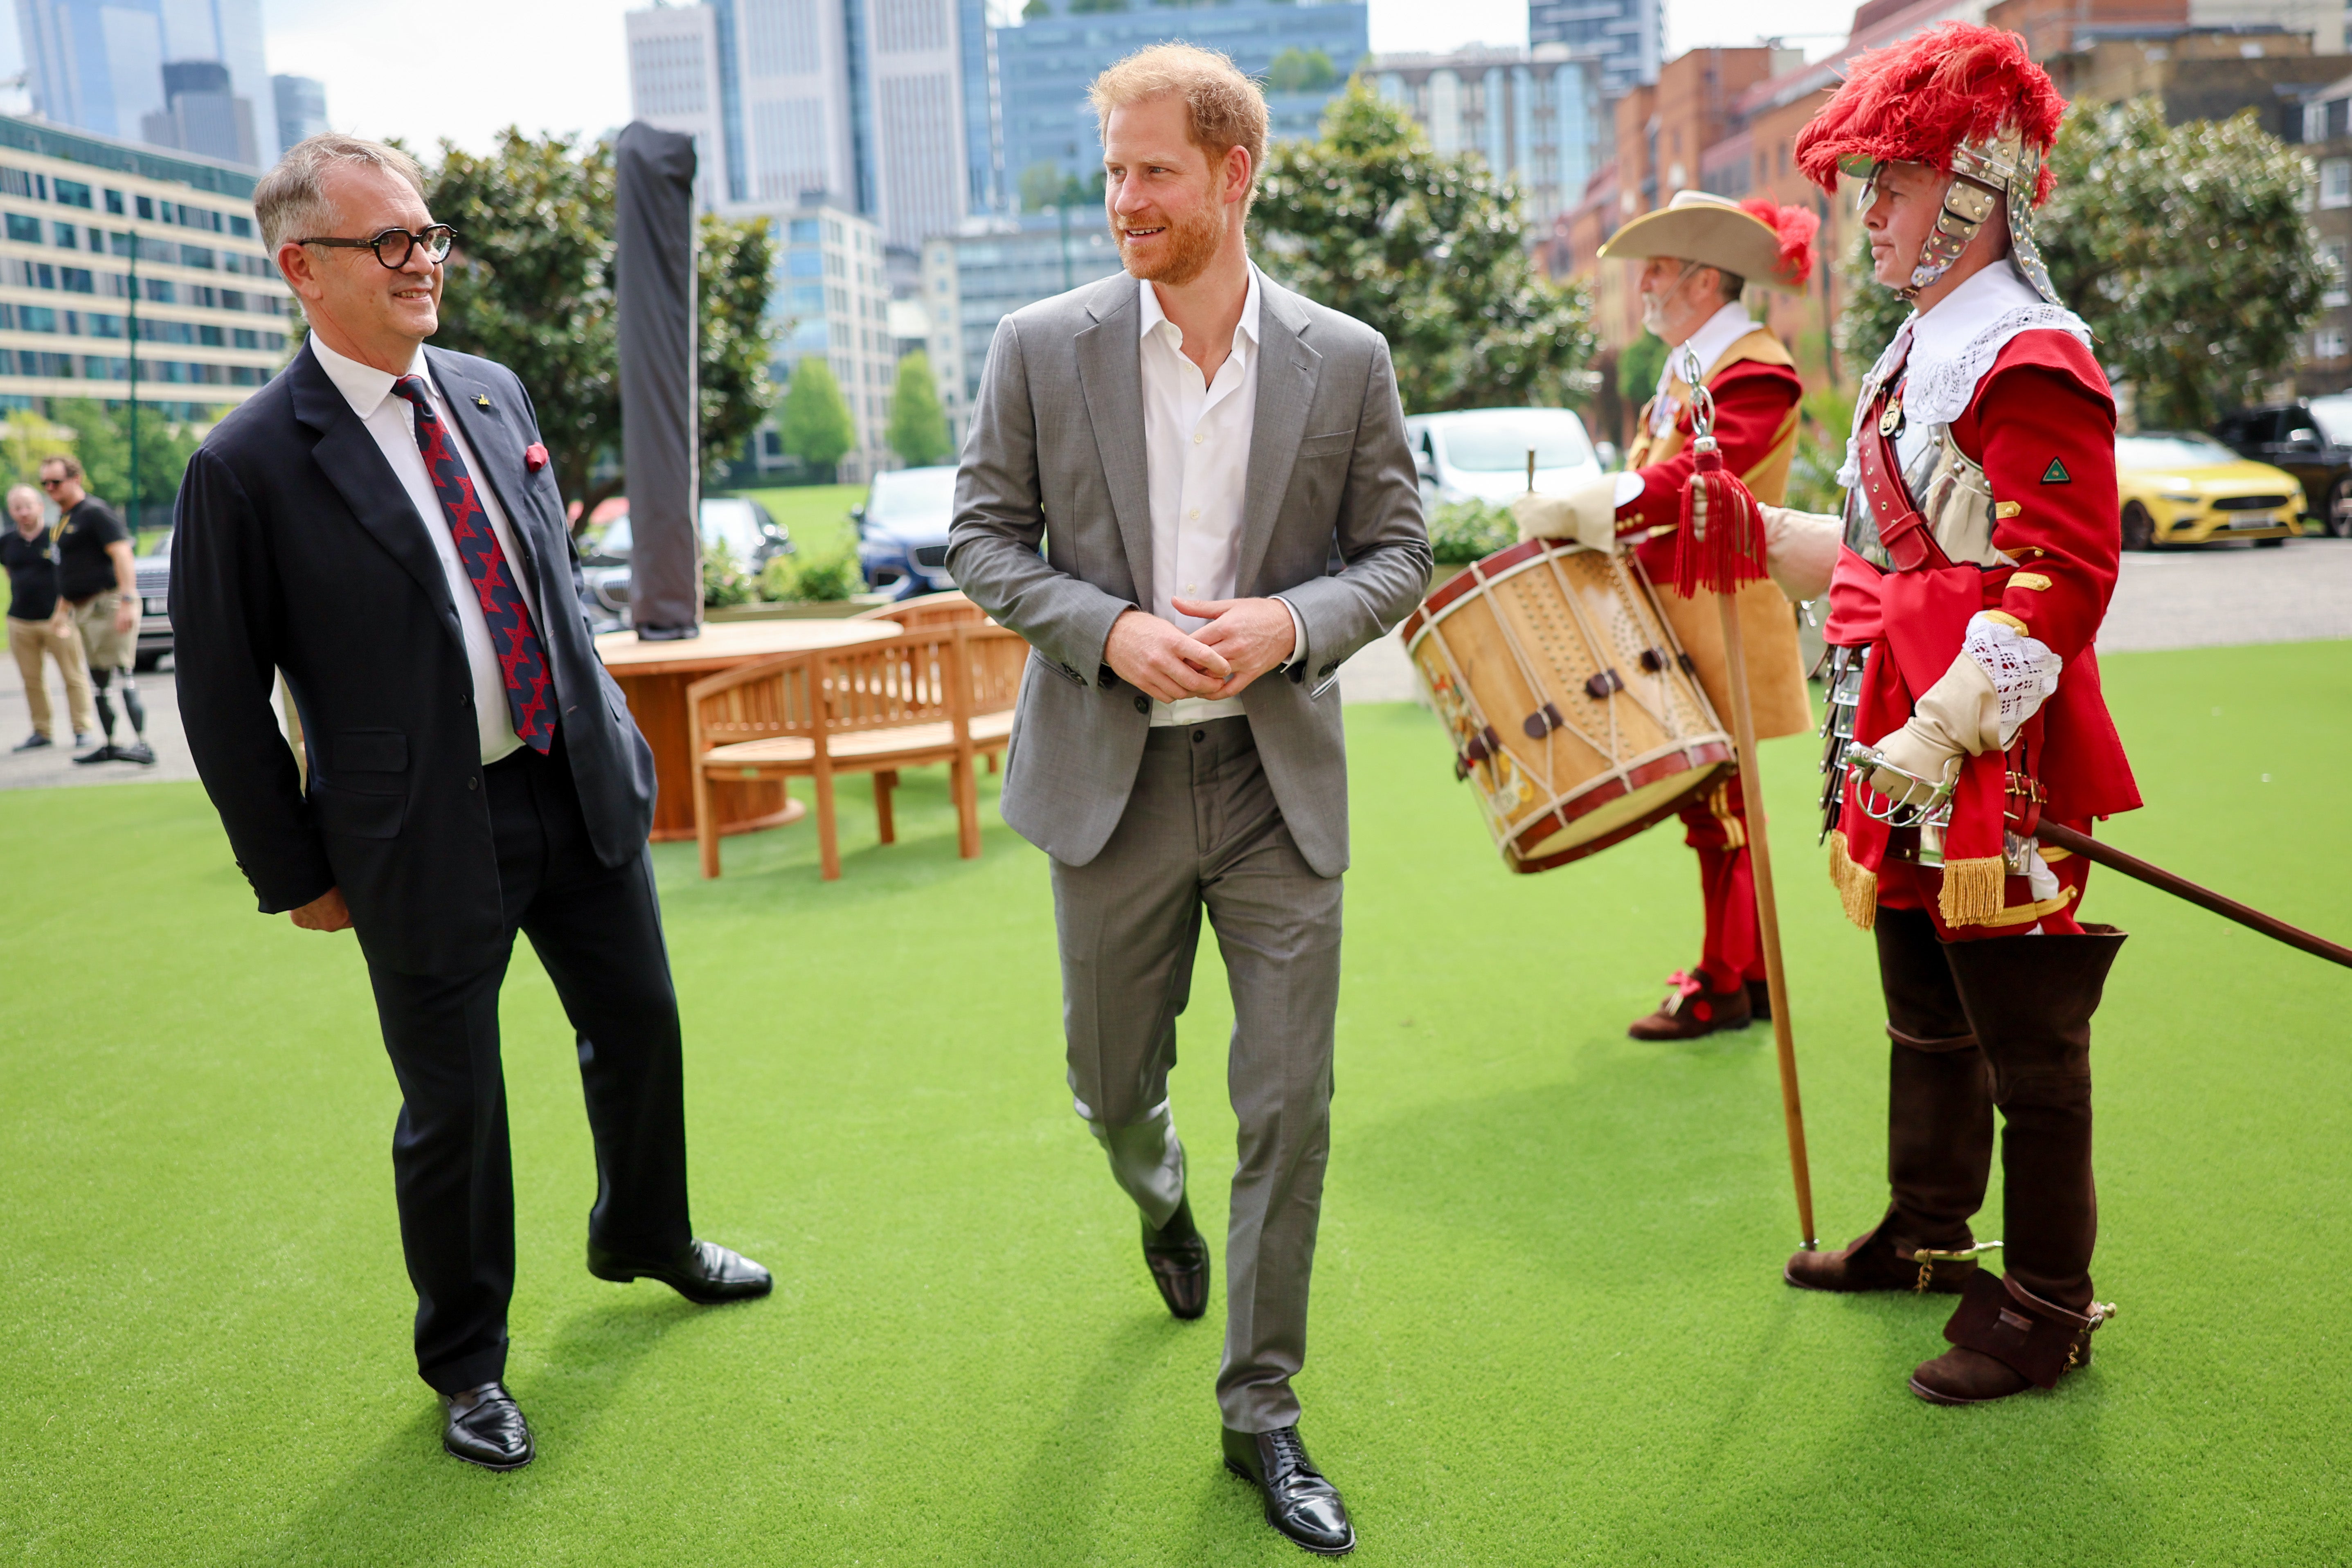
{"points": [[597, 931]]}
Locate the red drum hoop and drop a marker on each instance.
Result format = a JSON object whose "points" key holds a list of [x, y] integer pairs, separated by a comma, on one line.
{"points": [[1573, 711]]}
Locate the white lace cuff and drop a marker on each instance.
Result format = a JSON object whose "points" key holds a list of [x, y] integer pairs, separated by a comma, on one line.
{"points": [[2022, 669]]}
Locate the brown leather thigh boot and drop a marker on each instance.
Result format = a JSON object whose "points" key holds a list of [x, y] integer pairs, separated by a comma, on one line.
{"points": [[2030, 999], [1939, 1127]]}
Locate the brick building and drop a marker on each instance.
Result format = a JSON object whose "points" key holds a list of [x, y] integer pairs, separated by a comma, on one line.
{"points": [[1726, 120]]}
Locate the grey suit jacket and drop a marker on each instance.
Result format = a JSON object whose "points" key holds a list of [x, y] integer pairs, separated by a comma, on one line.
{"points": [[1331, 522]]}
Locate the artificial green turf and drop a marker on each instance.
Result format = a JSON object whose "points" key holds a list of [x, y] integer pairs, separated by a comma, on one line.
{"points": [[1548, 1323]]}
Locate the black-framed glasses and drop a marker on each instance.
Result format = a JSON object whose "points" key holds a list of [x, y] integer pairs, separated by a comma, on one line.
{"points": [[393, 246]]}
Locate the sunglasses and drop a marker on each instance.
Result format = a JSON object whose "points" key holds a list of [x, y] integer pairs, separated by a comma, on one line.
{"points": [[52, 484]]}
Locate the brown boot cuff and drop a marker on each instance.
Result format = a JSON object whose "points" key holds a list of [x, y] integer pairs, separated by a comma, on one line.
{"points": [[2038, 1340]]}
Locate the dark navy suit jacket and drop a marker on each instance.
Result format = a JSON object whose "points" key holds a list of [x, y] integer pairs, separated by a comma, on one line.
{"points": [[295, 548]]}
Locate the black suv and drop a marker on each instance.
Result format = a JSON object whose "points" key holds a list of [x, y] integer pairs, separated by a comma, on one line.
{"points": [[2310, 438]]}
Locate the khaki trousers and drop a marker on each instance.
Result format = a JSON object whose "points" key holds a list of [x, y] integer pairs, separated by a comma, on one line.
{"points": [[27, 641]]}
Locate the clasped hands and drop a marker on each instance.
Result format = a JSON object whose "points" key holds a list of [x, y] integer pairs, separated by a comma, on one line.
{"points": [[1244, 639]]}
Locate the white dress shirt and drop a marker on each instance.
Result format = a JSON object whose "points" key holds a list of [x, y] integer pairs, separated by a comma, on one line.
{"points": [[1196, 441], [392, 422]]}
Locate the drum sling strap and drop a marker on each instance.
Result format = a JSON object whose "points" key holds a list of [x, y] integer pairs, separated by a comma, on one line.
{"points": [[1910, 542]]}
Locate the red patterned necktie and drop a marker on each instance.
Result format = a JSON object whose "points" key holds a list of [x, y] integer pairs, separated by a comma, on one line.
{"points": [[521, 661]]}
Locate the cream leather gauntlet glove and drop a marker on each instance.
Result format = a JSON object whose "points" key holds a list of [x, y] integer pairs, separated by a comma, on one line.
{"points": [[1801, 550], [1588, 514], [1958, 716]]}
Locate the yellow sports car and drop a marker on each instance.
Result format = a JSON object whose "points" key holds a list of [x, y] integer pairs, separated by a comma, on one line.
{"points": [[2181, 487]]}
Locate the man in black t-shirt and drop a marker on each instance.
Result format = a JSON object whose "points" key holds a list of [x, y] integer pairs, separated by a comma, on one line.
{"points": [[38, 625], [97, 579]]}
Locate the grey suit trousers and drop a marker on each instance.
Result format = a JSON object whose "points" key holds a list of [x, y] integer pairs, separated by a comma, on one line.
{"points": [[1201, 831]]}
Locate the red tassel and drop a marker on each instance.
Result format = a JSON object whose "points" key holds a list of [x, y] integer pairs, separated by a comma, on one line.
{"points": [[1720, 545]]}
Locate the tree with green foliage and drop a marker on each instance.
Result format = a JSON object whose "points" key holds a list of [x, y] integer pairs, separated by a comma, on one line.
{"points": [[530, 286], [101, 440], [815, 423], [1430, 251], [735, 269], [2184, 247], [1300, 70], [1638, 368], [918, 426]]}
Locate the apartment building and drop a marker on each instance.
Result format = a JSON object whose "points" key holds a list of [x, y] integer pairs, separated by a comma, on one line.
{"points": [[1536, 115], [81, 218], [971, 281], [833, 300]]}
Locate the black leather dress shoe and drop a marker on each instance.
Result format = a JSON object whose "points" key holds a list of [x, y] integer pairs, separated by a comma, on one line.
{"points": [[486, 1428], [1299, 1502], [1178, 1256], [704, 1272]]}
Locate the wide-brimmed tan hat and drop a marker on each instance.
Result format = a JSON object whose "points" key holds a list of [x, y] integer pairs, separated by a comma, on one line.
{"points": [[1716, 231]]}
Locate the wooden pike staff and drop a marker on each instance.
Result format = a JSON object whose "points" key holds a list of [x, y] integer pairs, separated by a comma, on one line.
{"points": [[1720, 547]]}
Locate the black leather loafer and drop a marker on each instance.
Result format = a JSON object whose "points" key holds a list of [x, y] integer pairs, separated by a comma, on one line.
{"points": [[486, 1427], [1178, 1256], [704, 1272], [1299, 1502]]}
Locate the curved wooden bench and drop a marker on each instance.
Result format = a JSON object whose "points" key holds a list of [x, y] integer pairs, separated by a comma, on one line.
{"points": [[942, 694]]}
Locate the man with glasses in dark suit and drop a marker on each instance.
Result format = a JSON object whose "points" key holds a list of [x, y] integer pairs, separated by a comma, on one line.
{"points": [[381, 524]]}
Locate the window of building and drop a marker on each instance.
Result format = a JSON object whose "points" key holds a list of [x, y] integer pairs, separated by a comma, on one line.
{"points": [[15, 182], [2327, 343], [2336, 181], [2331, 261], [24, 230], [241, 226], [73, 194], [2315, 122], [65, 235], [114, 203]]}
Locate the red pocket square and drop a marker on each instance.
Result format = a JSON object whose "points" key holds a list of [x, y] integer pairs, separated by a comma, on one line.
{"points": [[534, 456]]}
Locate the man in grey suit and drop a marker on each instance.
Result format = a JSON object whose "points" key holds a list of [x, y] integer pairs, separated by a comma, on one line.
{"points": [[1218, 472]]}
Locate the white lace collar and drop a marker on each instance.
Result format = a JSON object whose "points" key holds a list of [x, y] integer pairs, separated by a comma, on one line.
{"points": [[1722, 330], [1945, 351]]}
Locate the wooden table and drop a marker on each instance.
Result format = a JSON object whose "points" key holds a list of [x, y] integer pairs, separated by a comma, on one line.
{"points": [[654, 677]]}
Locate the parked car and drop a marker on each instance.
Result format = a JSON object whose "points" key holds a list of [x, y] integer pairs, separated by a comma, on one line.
{"points": [[902, 532], [1483, 452], [737, 523], [2179, 487], [154, 579], [2311, 439]]}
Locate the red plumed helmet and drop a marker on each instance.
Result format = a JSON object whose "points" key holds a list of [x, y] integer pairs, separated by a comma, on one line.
{"points": [[1795, 228], [1916, 102]]}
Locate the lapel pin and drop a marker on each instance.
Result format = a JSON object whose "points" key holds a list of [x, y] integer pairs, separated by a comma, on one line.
{"points": [[480, 402]]}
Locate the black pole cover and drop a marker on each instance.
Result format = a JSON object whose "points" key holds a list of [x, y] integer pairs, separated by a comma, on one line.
{"points": [[659, 434]]}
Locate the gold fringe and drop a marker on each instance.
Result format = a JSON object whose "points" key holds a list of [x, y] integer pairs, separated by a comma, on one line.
{"points": [[1857, 889], [1972, 890]]}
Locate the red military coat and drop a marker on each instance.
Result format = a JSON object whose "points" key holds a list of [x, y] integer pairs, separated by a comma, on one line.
{"points": [[2041, 424]]}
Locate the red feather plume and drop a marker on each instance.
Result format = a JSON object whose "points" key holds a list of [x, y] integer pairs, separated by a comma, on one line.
{"points": [[1915, 102], [1795, 228]]}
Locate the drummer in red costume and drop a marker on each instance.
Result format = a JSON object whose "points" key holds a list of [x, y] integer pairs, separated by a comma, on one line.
{"points": [[1981, 547], [1697, 255]]}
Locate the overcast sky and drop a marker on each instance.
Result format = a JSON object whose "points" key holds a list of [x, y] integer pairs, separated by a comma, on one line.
{"points": [[558, 65]]}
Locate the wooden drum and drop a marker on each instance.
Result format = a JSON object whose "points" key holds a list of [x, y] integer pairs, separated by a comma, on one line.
{"points": [[1573, 711]]}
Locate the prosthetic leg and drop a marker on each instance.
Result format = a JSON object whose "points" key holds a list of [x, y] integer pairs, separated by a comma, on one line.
{"points": [[2031, 1000], [1939, 1100], [104, 682]]}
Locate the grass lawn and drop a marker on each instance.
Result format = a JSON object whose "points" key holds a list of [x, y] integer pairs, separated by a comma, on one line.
{"points": [[817, 516], [1549, 1322]]}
